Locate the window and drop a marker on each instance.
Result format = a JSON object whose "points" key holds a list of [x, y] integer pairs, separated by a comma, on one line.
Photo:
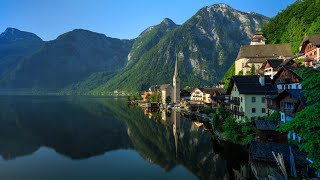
{"points": [[241, 99], [253, 110], [252, 118], [253, 99], [315, 53], [263, 99], [286, 86], [297, 86], [263, 110], [290, 87]]}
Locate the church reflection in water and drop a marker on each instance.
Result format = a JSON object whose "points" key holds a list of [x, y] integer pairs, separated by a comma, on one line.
{"points": [[79, 128]]}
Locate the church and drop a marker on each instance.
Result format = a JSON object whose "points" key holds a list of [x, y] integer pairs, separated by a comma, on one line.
{"points": [[173, 91]]}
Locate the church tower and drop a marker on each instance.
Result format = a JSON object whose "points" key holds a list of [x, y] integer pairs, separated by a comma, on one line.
{"points": [[176, 84]]}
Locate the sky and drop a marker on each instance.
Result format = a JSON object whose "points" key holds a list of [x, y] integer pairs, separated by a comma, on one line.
{"points": [[124, 19]]}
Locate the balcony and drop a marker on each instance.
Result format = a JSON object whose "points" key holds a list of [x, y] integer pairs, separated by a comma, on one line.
{"points": [[274, 107], [284, 80], [235, 112], [288, 112], [235, 102]]}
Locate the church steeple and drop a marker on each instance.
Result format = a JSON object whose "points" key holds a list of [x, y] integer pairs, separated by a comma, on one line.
{"points": [[176, 72], [176, 83]]}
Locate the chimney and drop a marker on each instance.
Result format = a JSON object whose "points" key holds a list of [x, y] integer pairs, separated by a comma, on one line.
{"points": [[261, 80]]}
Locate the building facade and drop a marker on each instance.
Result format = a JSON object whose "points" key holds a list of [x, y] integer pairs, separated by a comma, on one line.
{"points": [[310, 47], [247, 96], [254, 55]]}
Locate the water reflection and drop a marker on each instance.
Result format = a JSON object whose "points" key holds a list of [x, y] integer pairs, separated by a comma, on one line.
{"points": [[80, 128]]}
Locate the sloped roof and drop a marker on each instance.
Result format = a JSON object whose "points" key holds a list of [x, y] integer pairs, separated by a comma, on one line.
{"points": [[275, 62], [262, 151], [296, 93], [286, 62], [265, 125], [251, 85], [290, 69], [265, 51], [313, 38], [165, 86], [211, 91]]}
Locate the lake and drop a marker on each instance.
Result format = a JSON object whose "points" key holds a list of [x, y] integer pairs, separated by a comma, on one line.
{"points": [[65, 138]]}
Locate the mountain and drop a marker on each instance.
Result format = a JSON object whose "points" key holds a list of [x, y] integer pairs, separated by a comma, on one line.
{"points": [[15, 44], [293, 23], [11, 35], [205, 45], [71, 58]]}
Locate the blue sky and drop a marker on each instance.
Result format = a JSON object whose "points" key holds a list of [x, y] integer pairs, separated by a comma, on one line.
{"points": [[124, 19]]}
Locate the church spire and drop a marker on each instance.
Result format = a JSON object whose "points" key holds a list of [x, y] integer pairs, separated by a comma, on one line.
{"points": [[176, 72]]}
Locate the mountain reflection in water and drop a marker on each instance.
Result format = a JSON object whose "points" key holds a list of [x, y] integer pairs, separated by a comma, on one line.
{"points": [[90, 132]]}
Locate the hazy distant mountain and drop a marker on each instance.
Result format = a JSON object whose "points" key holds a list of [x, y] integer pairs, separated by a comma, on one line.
{"points": [[70, 58], [206, 45], [15, 44]]}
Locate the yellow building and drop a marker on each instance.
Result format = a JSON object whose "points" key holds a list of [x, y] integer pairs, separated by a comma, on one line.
{"points": [[247, 96], [258, 52]]}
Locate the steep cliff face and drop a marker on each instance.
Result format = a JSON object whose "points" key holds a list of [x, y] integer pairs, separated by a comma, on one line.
{"points": [[206, 46], [14, 45]]}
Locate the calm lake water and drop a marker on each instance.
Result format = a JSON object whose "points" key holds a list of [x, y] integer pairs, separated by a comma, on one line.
{"points": [[66, 138]]}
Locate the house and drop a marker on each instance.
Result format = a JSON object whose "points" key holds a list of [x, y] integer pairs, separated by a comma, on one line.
{"points": [[287, 78], [258, 52], [152, 90], [263, 163], [310, 47], [219, 85], [266, 132], [271, 66], [204, 95], [247, 96], [288, 103], [166, 90]]}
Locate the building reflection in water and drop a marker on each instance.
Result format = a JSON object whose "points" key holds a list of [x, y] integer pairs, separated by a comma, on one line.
{"points": [[176, 129]]}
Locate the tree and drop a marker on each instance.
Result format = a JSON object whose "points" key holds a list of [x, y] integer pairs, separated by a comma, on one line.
{"points": [[252, 70], [274, 117], [168, 99], [306, 122], [208, 110], [187, 88], [242, 132], [153, 98]]}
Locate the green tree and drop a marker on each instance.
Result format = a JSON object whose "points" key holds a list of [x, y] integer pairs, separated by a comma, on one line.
{"points": [[187, 88], [315, 27], [208, 110], [241, 132], [306, 122], [154, 98], [274, 117], [252, 70], [168, 99]]}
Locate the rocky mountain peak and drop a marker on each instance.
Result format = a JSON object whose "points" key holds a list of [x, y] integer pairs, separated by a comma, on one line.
{"points": [[14, 35], [168, 22]]}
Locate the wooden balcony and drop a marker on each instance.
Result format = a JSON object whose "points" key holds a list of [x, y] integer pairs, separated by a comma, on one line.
{"points": [[283, 81], [288, 112], [236, 112], [274, 107], [235, 102]]}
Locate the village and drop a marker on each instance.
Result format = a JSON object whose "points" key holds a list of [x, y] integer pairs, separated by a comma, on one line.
{"points": [[265, 91]]}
